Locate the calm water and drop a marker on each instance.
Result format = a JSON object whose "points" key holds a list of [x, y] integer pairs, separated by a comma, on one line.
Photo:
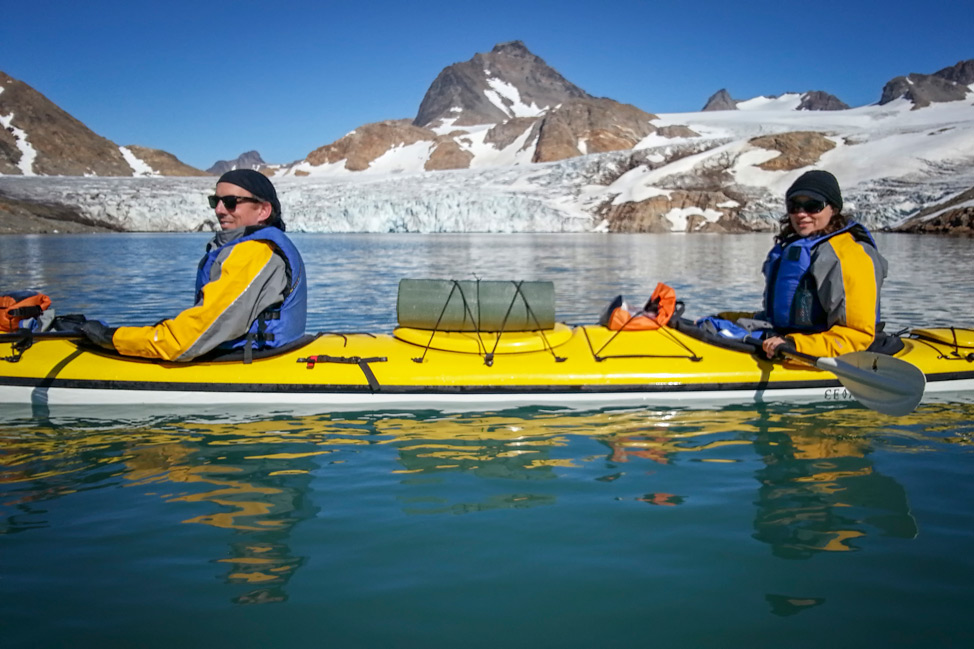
{"points": [[759, 527]]}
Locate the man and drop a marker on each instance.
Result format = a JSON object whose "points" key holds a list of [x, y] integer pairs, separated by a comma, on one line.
{"points": [[251, 289]]}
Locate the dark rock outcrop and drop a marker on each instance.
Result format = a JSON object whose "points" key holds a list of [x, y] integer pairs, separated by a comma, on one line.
{"points": [[462, 90], [448, 155], [19, 216], [364, 145], [961, 73], [948, 84], [248, 160], [922, 90], [819, 100], [958, 222], [720, 100], [798, 149], [597, 125], [952, 217], [653, 214], [504, 134], [676, 131]]}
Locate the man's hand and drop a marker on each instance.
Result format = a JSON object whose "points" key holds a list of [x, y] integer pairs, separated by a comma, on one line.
{"points": [[99, 334]]}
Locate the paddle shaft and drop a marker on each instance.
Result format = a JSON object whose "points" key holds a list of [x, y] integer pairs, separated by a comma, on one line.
{"points": [[14, 337]]}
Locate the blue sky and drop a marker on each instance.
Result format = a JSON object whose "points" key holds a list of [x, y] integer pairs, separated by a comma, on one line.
{"points": [[210, 80]]}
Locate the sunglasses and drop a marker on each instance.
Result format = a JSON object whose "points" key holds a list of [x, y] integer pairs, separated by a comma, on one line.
{"points": [[230, 202], [811, 206]]}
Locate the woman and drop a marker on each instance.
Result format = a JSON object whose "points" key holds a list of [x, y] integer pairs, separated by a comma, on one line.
{"points": [[823, 276]]}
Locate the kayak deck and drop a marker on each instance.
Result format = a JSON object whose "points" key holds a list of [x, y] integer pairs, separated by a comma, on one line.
{"points": [[581, 366]]}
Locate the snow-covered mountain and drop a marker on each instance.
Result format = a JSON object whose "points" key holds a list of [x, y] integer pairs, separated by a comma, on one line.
{"points": [[811, 100], [557, 159], [721, 169], [892, 162], [949, 84], [508, 106], [500, 108]]}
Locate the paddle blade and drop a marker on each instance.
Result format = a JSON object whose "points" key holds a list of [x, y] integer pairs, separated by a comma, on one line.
{"points": [[883, 383]]}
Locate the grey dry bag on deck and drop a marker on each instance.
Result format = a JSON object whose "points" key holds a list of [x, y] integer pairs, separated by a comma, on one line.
{"points": [[475, 305]]}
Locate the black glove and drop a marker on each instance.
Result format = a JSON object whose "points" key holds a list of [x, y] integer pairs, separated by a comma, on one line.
{"points": [[783, 349], [70, 323], [99, 334]]}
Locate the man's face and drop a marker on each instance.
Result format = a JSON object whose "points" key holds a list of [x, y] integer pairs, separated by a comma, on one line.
{"points": [[246, 212]]}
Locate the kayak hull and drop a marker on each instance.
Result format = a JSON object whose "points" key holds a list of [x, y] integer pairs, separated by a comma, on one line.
{"points": [[413, 399], [572, 367]]}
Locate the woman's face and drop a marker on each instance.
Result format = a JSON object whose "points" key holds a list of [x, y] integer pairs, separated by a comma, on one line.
{"points": [[808, 216]]}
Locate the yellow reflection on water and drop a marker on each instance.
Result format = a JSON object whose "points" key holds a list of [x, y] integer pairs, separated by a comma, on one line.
{"points": [[815, 484]]}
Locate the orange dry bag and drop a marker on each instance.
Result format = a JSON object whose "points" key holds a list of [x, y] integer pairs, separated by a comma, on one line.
{"points": [[20, 305], [657, 312]]}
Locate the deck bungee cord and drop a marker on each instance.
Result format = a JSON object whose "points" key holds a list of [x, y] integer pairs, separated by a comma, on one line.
{"points": [[928, 337], [456, 287]]}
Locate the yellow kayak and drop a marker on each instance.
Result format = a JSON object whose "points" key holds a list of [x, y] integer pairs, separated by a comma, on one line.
{"points": [[584, 366]]}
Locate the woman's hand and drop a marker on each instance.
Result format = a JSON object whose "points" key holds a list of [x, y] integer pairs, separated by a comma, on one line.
{"points": [[771, 345]]}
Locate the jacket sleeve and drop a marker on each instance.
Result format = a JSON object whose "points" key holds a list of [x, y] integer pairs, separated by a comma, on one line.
{"points": [[848, 276], [249, 279]]}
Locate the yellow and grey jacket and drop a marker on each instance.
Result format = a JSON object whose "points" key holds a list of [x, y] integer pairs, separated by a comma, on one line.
{"points": [[823, 292], [245, 275]]}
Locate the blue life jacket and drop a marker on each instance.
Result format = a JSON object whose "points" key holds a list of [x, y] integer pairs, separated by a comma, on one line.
{"points": [[790, 298], [281, 323]]}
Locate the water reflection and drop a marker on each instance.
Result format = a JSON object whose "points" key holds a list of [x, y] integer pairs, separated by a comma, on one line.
{"points": [[259, 497], [814, 486], [819, 491]]}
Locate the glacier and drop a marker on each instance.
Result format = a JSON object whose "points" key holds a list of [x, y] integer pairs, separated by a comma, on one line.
{"points": [[890, 160]]}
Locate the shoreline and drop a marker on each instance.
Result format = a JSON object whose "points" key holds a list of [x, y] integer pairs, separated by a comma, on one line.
{"points": [[19, 216]]}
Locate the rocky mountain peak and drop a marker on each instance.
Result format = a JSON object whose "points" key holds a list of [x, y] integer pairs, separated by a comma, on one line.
{"points": [[512, 48], [922, 90], [819, 100], [811, 100], [720, 100], [248, 160], [950, 84], [507, 82], [961, 73]]}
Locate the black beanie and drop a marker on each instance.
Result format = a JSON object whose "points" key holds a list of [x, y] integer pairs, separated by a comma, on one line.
{"points": [[260, 186], [817, 184]]}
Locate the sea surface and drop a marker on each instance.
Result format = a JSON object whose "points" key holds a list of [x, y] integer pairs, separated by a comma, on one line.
{"points": [[745, 526]]}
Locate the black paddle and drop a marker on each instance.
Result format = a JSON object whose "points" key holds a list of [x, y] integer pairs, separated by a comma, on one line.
{"points": [[35, 335]]}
